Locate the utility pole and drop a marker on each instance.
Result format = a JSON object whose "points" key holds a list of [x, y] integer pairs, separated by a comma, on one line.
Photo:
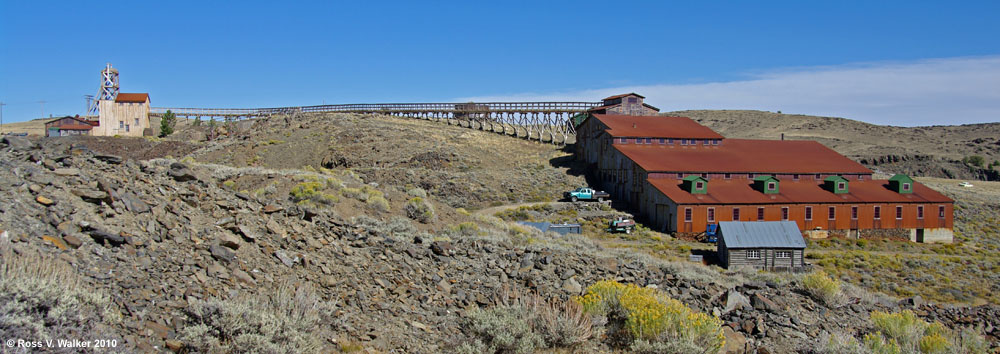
{"points": [[43, 107], [1, 117], [87, 107]]}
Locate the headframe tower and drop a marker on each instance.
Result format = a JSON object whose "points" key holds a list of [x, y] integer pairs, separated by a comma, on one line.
{"points": [[108, 90]]}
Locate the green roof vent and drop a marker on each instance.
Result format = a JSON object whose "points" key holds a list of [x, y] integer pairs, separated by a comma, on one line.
{"points": [[695, 185], [836, 184], [901, 184], [766, 184]]}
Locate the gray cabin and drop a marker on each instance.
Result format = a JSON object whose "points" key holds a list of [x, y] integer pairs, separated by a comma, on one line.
{"points": [[773, 245]]}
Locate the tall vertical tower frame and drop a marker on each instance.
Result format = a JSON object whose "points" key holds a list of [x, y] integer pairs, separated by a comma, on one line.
{"points": [[108, 90]]}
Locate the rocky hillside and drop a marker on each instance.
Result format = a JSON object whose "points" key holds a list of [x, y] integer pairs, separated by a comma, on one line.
{"points": [[160, 252], [934, 151]]}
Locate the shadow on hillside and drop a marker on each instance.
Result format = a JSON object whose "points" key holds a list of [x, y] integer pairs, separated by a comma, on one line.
{"points": [[574, 168]]}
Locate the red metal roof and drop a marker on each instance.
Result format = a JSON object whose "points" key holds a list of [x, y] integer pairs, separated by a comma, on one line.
{"points": [[655, 127], [624, 95], [81, 120], [740, 191], [132, 97], [742, 156]]}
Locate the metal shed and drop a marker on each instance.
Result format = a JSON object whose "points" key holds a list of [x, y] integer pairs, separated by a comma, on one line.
{"points": [[761, 244], [561, 229]]}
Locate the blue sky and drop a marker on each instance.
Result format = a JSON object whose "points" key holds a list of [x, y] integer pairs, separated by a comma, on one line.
{"points": [[888, 62]]}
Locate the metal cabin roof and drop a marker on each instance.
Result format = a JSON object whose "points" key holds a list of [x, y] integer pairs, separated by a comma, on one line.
{"points": [[740, 191], [741, 156], [132, 97], [655, 127], [761, 234], [624, 95]]}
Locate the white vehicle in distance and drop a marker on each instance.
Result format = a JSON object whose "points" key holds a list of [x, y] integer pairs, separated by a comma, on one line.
{"points": [[965, 184]]}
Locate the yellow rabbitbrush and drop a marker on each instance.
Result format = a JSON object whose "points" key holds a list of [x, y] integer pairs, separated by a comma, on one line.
{"points": [[652, 320]]}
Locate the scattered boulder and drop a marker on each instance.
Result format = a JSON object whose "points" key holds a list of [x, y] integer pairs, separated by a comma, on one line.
{"points": [[44, 200], [133, 203], [181, 173], [442, 248], [762, 303], [92, 196], [736, 301], [110, 159], [229, 240], [66, 172], [735, 342], [19, 143], [572, 286], [222, 253]]}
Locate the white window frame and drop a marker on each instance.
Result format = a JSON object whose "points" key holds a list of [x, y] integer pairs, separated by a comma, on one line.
{"points": [[920, 212], [784, 213], [906, 186], [809, 213], [877, 212], [899, 212], [711, 214], [783, 254], [772, 186], [753, 254], [688, 214]]}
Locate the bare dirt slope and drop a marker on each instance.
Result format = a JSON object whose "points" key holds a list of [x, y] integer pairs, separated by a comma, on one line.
{"points": [[934, 151], [463, 167]]}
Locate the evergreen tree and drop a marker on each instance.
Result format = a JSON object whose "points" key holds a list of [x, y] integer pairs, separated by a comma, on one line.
{"points": [[167, 123]]}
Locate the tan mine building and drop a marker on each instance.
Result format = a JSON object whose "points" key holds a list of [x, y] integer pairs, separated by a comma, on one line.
{"points": [[127, 115]]}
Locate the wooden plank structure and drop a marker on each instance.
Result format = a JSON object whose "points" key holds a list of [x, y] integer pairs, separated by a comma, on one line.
{"points": [[543, 121]]}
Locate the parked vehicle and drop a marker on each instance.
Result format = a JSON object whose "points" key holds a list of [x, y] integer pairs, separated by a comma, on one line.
{"points": [[711, 233], [621, 225], [584, 193], [965, 184]]}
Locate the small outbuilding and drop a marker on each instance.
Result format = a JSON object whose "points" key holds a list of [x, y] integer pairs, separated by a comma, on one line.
{"points": [[68, 126], [772, 245]]}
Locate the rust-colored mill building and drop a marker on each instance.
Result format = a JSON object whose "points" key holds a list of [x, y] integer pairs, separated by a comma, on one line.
{"points": [[682, 176]]}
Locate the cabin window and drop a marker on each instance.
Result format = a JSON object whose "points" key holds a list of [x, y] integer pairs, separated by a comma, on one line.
{"points": [[729, 176], [704, 175], [121, 125], [753, 254], [782, 254], [809, 213], [878, 212], [854, 213], [711, 214], [818, 176], [623, 140], [736, 214], [137, 122], [715, 142], [680, 175], [861, 177], [687, 214], [684, 142], [771, 186], [920, 211], [750, 175], [699, 185], [760, 213], [941, 211], [899, 212], [906, 186], [662, 140], [795, 177], [670, 141], [633, 100], [833, 213], [784, 213], [841, 186], [126, 127], [649, 140]]}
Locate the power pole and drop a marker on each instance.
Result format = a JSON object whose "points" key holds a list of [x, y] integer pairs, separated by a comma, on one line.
{"points": [[1, 117], [87, 107], [43, 107]]}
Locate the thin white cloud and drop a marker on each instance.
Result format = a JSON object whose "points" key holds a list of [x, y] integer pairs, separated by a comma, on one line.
{"points": [[924, 92]]}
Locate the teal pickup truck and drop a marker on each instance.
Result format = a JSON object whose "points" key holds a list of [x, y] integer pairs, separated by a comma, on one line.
{"points": [[584, 193]]}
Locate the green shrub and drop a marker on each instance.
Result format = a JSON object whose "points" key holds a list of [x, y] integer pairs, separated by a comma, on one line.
{"points": [[417, 192], [527, 323], [904, 332], [822, 287], [466, 229], [647, 320], [288, 318], [230, 184], [42, 298], [312, 191], [378, 203], [420, 210]]}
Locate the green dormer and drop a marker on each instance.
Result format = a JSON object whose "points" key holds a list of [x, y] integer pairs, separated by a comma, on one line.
{"points": [[902, 184], [696, 185], [836, 184], [766, 184]]}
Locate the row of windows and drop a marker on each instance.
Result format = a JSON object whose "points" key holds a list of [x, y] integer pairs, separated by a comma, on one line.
{"points": [[831, 213], [795, 177], [127, 127], [755, 254], [670, 141]]}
